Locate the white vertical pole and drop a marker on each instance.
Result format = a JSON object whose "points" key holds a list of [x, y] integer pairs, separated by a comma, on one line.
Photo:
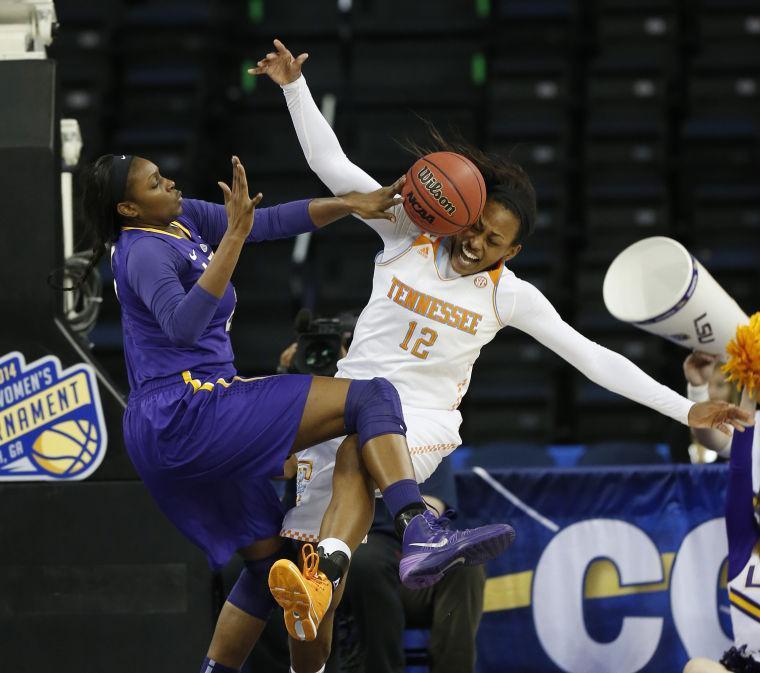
{"points": [[67, 213]]}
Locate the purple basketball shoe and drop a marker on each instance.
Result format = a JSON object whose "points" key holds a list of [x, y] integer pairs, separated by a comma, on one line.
{"points": [[430, 548]]}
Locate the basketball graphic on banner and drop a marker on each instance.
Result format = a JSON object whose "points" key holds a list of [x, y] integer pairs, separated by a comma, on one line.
{"points": [[67, 448]]}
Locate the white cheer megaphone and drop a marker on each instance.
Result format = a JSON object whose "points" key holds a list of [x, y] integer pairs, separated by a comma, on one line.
{"points": [[658, 286]]}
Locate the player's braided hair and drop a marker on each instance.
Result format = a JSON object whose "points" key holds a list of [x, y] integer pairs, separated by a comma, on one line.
{"points": [[501, 175]]}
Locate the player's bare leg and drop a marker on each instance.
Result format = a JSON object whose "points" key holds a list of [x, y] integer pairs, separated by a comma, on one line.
{"points": [[352, 505], [237, 630], [387, 467], [235, 635], [323, 413]]}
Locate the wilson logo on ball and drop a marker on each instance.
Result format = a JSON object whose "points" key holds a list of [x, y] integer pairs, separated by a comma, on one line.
{"points": [[434, 187]]}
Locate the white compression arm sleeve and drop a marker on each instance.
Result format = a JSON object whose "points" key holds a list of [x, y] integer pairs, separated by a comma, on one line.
{"points": [[533, 314], [326, 158]]}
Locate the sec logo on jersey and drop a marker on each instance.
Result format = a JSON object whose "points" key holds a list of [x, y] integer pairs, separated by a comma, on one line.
{"points": [[51, 420], [480, 281]]}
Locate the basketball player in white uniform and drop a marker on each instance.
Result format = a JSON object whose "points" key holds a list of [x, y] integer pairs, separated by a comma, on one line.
{"points": [[436, 301]]}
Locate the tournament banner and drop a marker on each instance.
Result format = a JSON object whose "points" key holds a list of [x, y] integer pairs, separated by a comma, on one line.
{"points": [[51, 420], [612, 570]]}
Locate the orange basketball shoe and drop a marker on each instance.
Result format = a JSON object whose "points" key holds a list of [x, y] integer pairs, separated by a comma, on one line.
{"points": [[304, 597]]}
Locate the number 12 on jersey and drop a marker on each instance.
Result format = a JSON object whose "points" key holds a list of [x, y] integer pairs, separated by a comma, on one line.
{"points": [[426, 340]]}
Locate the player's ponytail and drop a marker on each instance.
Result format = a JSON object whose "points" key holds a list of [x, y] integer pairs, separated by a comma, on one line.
{"points": [[102, 220], [506, 181], [102, 223]]}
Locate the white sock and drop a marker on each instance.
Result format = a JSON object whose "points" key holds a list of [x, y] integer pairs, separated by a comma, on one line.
{"points": [[331, 544]]}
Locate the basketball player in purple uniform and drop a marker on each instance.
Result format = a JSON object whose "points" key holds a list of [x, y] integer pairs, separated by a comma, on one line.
{"points": [[205, 440]]}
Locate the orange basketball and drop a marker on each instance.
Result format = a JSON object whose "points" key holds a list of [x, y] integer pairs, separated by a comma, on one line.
{"points": [[444, 193]]}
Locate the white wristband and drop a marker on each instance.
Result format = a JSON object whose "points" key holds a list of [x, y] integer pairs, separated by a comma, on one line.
{"points": [[294, 84], [698, 393]]}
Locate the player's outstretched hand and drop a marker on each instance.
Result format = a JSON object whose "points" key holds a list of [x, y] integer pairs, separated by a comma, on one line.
{"points": [[238, 204], [374, 206], [719, 416], [280, 65]]}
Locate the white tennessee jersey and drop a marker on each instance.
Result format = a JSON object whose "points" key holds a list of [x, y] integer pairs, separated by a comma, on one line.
{"points": [[441, 321], [744, 596], [423, 331]]}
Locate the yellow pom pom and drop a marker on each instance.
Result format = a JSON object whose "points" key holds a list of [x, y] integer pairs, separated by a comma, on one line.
{"points": [[743, 364]]}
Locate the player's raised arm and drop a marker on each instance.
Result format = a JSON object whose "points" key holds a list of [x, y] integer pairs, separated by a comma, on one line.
{"points": [[533, 314], [319, 142], [240, 208]]}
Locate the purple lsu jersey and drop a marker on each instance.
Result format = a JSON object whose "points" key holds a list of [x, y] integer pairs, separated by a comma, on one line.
{"points": [[205, 441], [170, 324], [148, 350]]}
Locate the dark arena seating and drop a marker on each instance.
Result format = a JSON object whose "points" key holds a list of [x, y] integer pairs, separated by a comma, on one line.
{"points": [[632, 119]]}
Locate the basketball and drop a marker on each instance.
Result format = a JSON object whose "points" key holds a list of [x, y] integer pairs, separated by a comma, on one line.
{"points": [[67, 448], [444, 193]]}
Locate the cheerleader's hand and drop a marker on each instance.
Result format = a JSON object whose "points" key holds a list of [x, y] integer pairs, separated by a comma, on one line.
{"points": [[698, 368]]}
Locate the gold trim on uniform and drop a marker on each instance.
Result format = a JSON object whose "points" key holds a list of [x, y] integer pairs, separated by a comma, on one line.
{"points": [[185, 229], [152, 230], [187, 377]]}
